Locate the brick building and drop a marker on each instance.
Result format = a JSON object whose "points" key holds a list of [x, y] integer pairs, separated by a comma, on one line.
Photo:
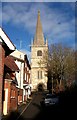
{"points": [[27, 80], [10, 101], [6, 47], [23, 77]]}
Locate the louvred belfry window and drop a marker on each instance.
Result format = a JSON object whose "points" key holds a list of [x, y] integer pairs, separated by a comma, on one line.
{"points": [[39, 53], [39, 74]]}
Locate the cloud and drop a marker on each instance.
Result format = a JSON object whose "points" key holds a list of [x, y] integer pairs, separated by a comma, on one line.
{"points": [[12, 13], [58, 22], [38, 0], [17, 0]]}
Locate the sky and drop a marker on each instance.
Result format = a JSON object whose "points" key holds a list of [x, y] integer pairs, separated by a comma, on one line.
{"points": [[38, 0], [19, 22]]}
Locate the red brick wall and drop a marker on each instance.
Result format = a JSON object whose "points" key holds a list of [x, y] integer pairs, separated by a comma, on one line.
{"points": [[20, 96], [24, 98], [12, 96], [2, 56]]}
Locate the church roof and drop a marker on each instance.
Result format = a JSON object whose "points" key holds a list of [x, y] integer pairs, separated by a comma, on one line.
{"points": [[39, 37]]}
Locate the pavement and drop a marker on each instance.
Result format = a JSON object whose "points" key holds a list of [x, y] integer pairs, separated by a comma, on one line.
{"points": [[17, 113], [23, 106]]}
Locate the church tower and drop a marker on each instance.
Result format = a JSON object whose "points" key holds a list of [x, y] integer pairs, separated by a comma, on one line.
{"points": [[38, 49]]}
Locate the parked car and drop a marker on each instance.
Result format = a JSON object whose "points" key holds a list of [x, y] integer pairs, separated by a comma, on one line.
{"points": [[50, 99]]}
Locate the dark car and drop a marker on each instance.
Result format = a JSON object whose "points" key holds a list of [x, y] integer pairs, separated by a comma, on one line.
{"points": [[50, 99]]}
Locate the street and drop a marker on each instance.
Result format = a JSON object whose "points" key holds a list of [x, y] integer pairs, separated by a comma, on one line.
{"points": [[34, 110]]}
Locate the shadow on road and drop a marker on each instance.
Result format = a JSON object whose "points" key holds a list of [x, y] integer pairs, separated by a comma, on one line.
{"points": [[67, 108], [13, 116], [36, 105]]}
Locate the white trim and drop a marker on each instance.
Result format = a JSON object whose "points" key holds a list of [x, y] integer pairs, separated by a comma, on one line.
{"points": [[6, 40], [0, 40], [5, 103]]}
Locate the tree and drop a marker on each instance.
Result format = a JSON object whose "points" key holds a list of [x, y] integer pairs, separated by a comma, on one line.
{"points": [[60, 63]]}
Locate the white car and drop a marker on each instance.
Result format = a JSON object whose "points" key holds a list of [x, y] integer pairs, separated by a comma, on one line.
{"points": [[51, 99]]}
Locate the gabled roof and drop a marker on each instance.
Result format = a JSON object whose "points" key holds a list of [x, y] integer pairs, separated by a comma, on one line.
{"points": [[6, 42], [20, 56], [10, 63], [8, 76]]}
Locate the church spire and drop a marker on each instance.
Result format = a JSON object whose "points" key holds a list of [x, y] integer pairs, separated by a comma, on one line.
{"points": [[39, 37]]}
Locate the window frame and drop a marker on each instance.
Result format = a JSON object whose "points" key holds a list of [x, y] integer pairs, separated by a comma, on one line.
{"points": [[39, 74], [39, 53]]}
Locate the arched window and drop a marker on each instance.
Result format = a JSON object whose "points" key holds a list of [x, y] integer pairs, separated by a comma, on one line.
{"points": [[39, 53]]}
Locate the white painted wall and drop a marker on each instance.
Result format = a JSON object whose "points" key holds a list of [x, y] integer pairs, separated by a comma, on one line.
{"points": [[5, 102], [19, 76], [20, 64]]}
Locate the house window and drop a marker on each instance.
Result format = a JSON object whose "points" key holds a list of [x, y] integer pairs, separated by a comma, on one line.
{"points": [[39, 74], [39, 53], [12, 93]]}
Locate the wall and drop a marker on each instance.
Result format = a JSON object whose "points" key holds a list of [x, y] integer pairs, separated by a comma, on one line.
{"points": [[36, 65], [2, 56], [12, 99]]}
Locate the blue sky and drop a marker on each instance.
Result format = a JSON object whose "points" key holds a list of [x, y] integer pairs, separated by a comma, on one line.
{"points": [[58, 22]]}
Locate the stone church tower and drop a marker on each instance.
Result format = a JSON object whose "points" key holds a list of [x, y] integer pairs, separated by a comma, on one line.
{"points": [[38, 68]]}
